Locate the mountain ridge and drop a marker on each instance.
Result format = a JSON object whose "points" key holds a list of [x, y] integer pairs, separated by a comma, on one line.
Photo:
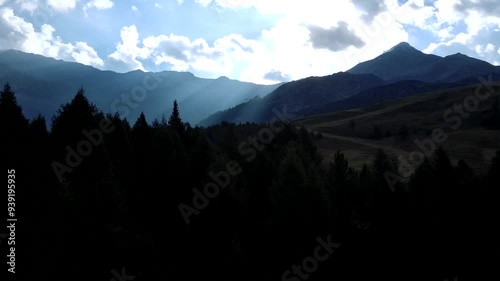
{"points": [[404, 62], [400, 63], [43, 84]]}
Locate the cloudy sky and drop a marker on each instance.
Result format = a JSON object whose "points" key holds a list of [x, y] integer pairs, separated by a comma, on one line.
{"points": [[261, 41]]}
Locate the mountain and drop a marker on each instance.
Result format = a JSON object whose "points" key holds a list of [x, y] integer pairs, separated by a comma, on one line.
{"points": [[404, 62], [393, 91], [458, 67], [352, 131], [397, 90], [400, 72], [297, 96], [42, 84], [401, 62]]}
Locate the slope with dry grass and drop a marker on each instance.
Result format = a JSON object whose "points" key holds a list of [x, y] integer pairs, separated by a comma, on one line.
{"points": [[352, 131]]}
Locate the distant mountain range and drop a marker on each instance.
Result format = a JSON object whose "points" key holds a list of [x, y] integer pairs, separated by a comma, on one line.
{"points": [[298, 96], [42, 84], [400, 72], [403, 62]]}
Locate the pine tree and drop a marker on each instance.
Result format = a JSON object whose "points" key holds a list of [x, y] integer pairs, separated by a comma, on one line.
{"points": [[141, 124], [352, 124], [10, 112], [175, 119], [404, 132], [377, 132], [424, 192], [299, 200], [492, 192], [38, 127], [141, 136], [341, 186], [13, 129], [495, 106], [7, 97], [73, 117], [71, 127]]}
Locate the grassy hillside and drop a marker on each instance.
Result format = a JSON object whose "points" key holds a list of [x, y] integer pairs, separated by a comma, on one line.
{"points": [[354, 132]]}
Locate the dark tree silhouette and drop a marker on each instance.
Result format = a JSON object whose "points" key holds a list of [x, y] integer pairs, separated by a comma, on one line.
{"points": [[352, 124], [495, 106], [175, 119], [73, 117], [377, 132], [404, 132], [8, 104], [119, 207], [13, 130]]}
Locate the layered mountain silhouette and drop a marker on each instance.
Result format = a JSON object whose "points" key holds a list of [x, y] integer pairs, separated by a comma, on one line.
{"points": [[404, 62], [298, 96], [42, 84], [399, 72]]}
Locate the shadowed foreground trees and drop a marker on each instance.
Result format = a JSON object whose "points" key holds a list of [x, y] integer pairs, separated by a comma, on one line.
{"points": [[119, 205]]}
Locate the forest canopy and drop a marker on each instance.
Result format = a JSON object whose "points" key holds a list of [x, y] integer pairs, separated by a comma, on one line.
{"points": [[97, 193]]}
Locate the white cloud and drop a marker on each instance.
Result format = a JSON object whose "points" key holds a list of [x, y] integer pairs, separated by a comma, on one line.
{"points": [[489, 48], [28, 5], [62, 5], [85, 54], [185, 54], [224, 57], [235, 3], [479, 36], [21, 35], [288, 48], [445, 33], [445, 11], [100, 4], [420, 15], [439, 18], [127, 54], [204, 2]]}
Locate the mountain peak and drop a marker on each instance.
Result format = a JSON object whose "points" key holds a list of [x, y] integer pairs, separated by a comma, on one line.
{"points": [[403, 46], [457, 55]]}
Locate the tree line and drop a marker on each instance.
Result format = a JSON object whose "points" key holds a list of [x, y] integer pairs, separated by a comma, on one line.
{"points": [[119, 207]]}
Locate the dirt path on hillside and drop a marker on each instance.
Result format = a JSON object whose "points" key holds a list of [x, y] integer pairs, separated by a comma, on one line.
{"points": [[363, 142], [387, 148]]}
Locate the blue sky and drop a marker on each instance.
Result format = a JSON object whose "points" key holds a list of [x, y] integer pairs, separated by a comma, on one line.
{"points": [[261, 41]]}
